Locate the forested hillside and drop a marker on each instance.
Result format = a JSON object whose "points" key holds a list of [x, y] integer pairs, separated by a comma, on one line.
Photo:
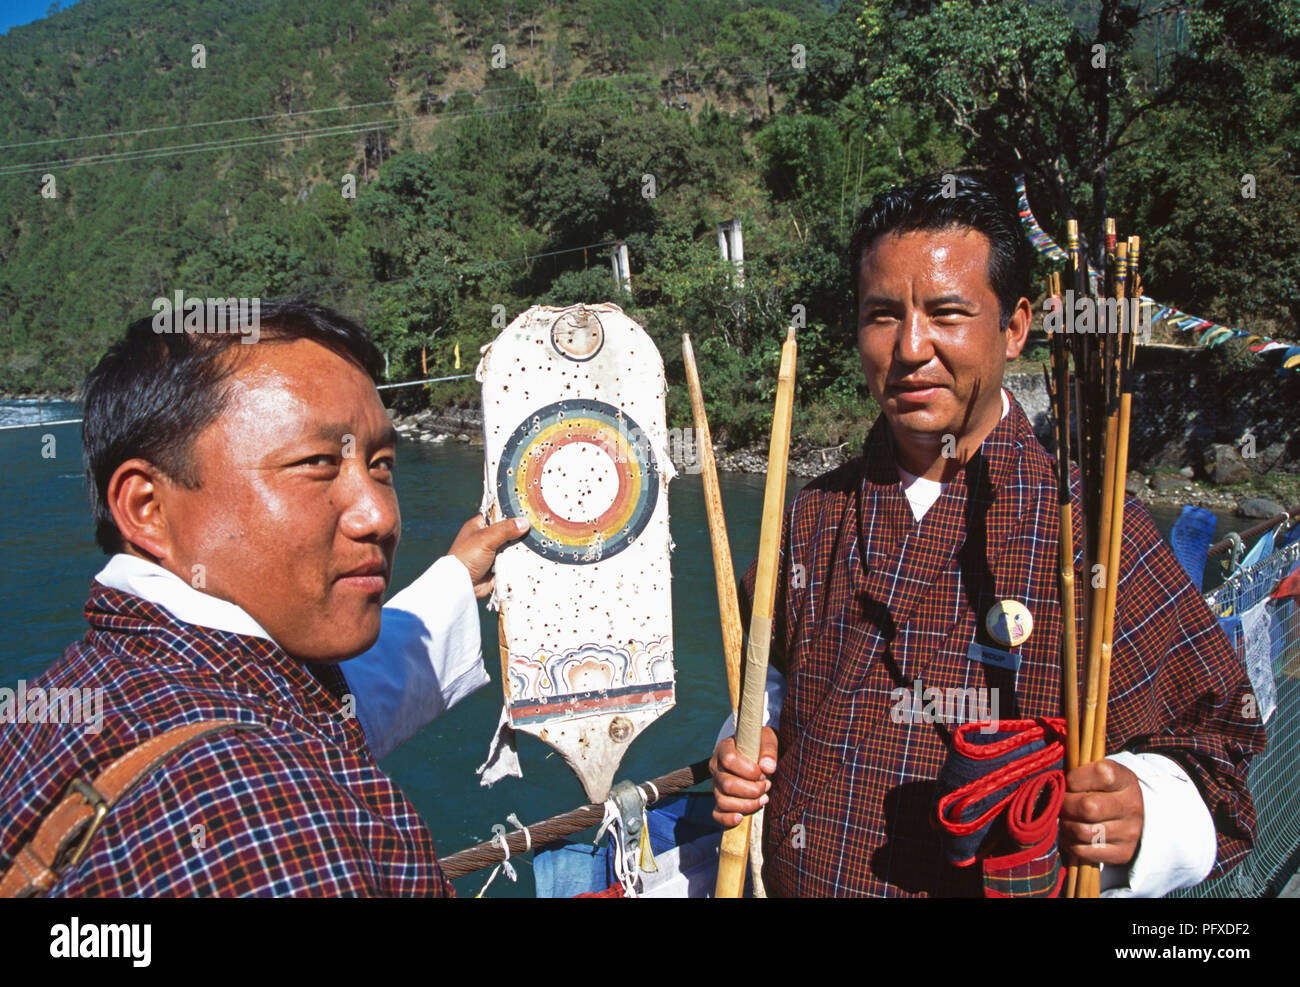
{"points": [[498, 148]]}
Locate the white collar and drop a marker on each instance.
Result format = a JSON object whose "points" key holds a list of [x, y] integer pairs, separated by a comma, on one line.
{"points": [[129, 574], [923, 484]]}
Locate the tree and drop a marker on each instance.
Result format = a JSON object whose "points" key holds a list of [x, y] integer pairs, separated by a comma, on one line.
{"points": [[1031, 90], [756, 46]]}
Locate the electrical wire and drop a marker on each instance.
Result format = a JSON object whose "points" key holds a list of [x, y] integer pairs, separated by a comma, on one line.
{"points": [[334, 130]]}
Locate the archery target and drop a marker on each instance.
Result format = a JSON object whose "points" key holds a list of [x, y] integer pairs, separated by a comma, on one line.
{"points": [[583, 474]]}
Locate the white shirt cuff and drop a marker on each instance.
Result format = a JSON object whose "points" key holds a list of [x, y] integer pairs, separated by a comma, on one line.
{"points": [[775, 691], [1178, 844], [428, 657]]}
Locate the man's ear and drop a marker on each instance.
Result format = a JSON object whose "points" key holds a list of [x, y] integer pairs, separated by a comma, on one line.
{"points": [[135, 495], [1018, 328]]}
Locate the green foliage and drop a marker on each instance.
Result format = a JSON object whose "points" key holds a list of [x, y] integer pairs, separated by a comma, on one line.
{"points": [[478, 187], [579, 287]]}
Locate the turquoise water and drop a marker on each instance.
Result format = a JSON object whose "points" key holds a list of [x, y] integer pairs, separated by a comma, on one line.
{"points": [[47, 540]]}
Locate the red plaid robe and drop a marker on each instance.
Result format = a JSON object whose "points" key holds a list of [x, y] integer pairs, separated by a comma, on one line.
{"points": [[298, 807], [881, 601]]}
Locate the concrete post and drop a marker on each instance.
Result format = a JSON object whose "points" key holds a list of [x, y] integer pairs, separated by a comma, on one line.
{"points": [[618, 261]]}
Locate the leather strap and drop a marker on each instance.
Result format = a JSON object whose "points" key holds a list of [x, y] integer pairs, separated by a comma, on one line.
{"points": [[38, 864]]}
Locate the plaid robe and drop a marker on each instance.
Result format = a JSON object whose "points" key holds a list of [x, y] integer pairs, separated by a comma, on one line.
{"points": [[870, 601], [298, 807]]}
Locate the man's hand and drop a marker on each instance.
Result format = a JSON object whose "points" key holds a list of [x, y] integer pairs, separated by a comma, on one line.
{"points": [[739, 785], [477, 545], [1101, 816]]}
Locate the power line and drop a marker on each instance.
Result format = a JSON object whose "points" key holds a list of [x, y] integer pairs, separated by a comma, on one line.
{"points": [[427, 380], [552, 253], [334, 130], [378, 387], [224, 143], [205, 123], [509, 260], [62, 421], [294, 114]]}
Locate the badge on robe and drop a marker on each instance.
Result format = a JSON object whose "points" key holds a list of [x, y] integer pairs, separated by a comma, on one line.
{"points": [[1009, 622]]}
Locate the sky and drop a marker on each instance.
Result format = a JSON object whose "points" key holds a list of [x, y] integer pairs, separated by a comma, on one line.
{"points": [[13, 12]]}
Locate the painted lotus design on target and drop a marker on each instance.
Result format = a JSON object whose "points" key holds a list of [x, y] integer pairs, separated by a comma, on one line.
{"points": [[594, 678]]}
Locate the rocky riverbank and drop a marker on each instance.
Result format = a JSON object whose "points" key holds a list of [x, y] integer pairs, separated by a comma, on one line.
{"points": [[465, 425], [40, 396], [1251, 497], [1252, 480]]}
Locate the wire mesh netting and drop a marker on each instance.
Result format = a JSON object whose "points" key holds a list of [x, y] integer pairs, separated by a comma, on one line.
{"points": [[1274, 775]]}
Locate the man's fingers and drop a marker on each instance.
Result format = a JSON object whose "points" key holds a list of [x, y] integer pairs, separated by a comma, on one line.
{"points": [[1105, 831], [767, 751], [1100, 776], [496, 535], [731, 785], [732, 762], [728, 819], [1100, 843], [1092, 807], [1102, 813], [477, 544], [739, 787], [726, 805]]}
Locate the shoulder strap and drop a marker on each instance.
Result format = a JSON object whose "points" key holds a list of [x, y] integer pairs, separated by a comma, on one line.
{"points": [[38, 864]]}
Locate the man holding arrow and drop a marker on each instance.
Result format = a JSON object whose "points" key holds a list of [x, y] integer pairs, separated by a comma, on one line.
{"points": [[931, 561]]}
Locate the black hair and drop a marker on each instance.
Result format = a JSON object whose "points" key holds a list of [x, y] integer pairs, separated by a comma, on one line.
{"points": [[154, 391], [948, 201]]}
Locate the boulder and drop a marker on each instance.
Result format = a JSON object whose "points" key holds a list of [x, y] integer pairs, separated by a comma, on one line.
{"points": [[1224, 465], [1164, 482], [1273, 458], [1136, 483], [1259, 507]]}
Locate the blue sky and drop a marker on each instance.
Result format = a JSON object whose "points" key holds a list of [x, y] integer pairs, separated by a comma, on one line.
{"points": [[14, 12]]}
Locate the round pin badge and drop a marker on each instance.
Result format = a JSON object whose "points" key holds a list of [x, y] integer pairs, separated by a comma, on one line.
{"points": [[1010, 622]]}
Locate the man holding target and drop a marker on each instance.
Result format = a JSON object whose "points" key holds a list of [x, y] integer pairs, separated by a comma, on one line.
{"points": [[246, 497]]}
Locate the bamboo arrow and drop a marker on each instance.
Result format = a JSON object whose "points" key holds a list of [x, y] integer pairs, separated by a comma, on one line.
{"points": [[731, 862], [724, 573]]}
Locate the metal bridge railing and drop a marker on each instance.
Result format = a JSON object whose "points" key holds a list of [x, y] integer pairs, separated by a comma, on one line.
{"points": [[1274, 777]]}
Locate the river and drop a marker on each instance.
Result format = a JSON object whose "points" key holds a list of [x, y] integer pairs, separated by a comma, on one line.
{"points": [[46, 535]]}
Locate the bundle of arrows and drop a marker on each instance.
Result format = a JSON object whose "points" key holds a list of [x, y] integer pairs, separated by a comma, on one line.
{"points": [[1091, 410]]}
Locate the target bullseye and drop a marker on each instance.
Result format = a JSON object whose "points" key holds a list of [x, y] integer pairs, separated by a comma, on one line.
{"points": [[583, 475], [580, 482]]}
